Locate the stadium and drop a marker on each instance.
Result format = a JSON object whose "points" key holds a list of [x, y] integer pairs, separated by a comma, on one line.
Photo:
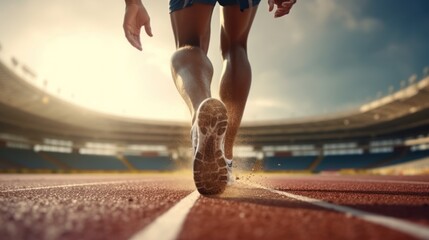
{"points": [[41, 133], [95, 140]]}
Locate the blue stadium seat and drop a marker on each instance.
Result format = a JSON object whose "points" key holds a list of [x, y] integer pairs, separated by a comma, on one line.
{"points": [[288, 163], [4, 166], [359, 161], [160, 163], [25, 158], [89, 162], [410, 156]]}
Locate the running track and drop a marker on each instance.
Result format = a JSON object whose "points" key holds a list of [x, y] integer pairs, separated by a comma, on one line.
{"points": [[166, 206]]}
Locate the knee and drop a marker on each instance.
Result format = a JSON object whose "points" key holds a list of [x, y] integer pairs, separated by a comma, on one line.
{"points": [[234, 50]]}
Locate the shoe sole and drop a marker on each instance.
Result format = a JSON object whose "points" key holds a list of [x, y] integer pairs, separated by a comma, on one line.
{"points": [[210, 172]]}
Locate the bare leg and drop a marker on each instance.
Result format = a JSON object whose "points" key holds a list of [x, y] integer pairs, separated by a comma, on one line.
{"points": [[191, 69], [192, 73], [236, 76]]}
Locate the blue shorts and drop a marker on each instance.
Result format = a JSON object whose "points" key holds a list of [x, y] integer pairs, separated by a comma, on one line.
{"points": [[180, 4]]}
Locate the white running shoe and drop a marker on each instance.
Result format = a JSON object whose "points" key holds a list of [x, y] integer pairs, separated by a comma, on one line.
{"points": [[208, 133], [231, 178], [194, 138]]}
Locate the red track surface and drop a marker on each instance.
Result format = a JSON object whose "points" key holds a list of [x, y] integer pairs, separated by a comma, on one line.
{"points": [[119, 206]]}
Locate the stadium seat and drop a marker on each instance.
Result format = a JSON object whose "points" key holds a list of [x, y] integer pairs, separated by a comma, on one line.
{"points": [[24, 158], [359, 161], [288, 163], [89, 162], [410, 156], [156, 163]]}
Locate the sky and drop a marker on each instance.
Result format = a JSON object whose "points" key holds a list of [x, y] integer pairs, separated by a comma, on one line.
{"points": [[325, 57]]}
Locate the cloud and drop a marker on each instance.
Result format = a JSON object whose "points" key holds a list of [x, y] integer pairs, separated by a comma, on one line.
{"points": [[267, 103], [426, 71], [364, 24], [325, 55], [345, 12]]}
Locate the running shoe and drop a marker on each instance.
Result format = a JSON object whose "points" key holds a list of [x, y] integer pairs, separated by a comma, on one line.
{"points": [[210, 167], [231, 178]]}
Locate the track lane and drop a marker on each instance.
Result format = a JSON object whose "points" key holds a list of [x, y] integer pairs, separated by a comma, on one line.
{"points": [[11, 182], [423, 180], [255, 213], [90, 207], [406, 201], [168, 225], [415, 230], [96, 211]]}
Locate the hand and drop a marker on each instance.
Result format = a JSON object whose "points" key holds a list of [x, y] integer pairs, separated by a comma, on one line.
{"points": [[136, 16], [283, 7]]}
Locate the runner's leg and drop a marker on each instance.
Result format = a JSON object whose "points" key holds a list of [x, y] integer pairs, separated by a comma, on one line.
{"points": [[191, 69], [236, 75]]}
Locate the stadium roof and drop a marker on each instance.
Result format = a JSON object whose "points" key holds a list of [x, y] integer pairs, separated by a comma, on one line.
{"points": [[29, 111]]}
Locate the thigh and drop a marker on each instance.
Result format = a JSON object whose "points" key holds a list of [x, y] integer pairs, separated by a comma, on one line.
{"points": [[244, 4], [180, 4], [191, 25], [236, 24]]}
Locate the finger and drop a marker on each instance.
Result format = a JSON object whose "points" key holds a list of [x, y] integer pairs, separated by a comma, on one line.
{"points": [[134, 42], [287, 5], [290, 2], [281, 12], [148, 29], [133, 39], [283, 9], [270, 5], [137, 41]]}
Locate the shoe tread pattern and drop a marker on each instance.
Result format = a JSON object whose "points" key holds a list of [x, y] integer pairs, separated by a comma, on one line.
{"points": [[210, 170]]}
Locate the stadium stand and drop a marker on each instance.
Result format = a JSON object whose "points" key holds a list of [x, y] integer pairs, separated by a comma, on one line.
{"points": [[29, 115], [410, 156], [25, 158], [156, 163], [16, 159], [360, 161], [278, 163], [53, 160], [89, 162], [4, 165]]}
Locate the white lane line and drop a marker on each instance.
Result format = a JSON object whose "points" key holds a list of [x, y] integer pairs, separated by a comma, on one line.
{"points": [[384, 181], [168, 225], [358, 180], [72, 185], [409, 228]]}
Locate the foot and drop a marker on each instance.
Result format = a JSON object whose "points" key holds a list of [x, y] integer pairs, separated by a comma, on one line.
{"points": [[210, 167]]}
